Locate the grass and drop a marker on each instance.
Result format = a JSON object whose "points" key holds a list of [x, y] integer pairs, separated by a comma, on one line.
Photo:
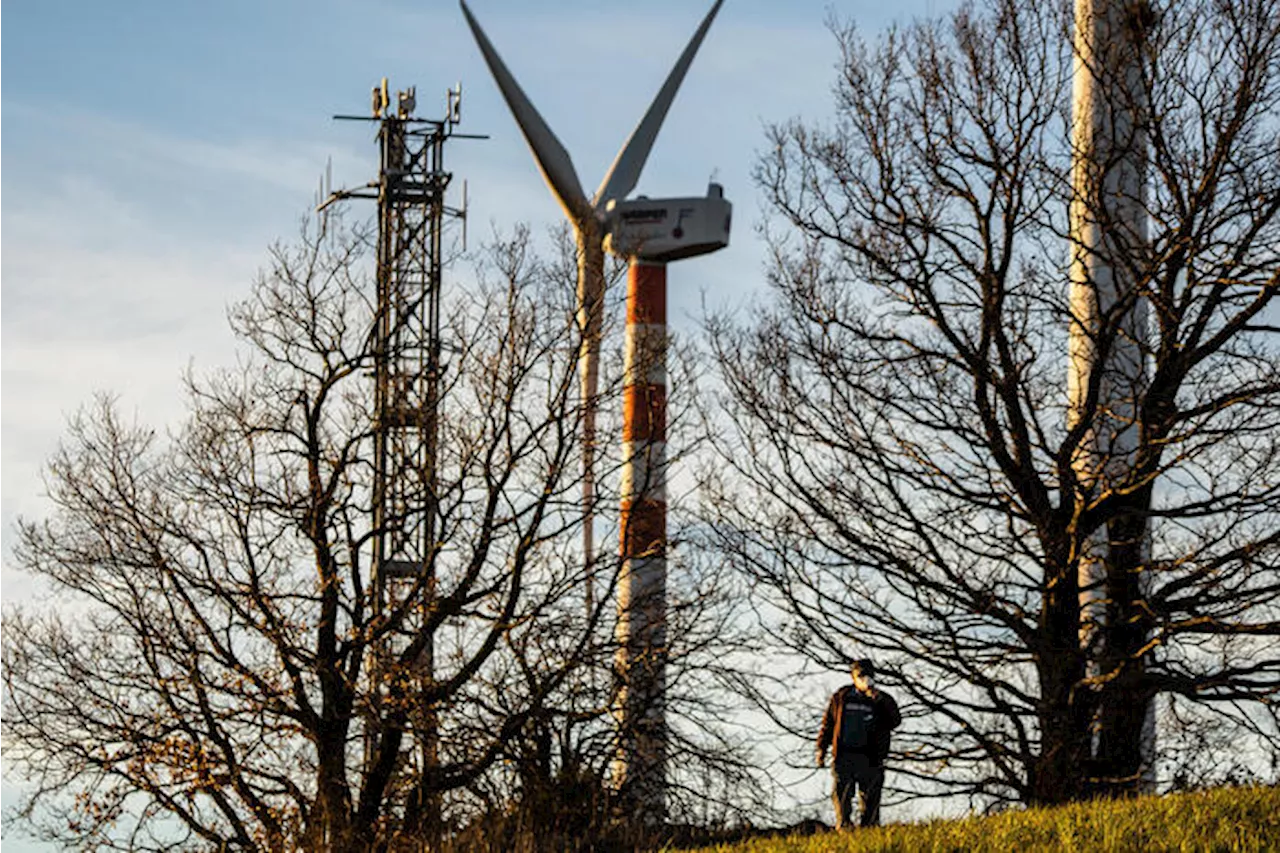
{"points": [[1224, 819]]}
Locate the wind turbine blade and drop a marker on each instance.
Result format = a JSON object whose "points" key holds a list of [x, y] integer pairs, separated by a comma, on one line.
{"points": [[552, 158], [625, 171]]}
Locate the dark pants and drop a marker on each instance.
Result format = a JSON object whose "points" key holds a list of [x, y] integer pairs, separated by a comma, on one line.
{"points": [[855, 772]]}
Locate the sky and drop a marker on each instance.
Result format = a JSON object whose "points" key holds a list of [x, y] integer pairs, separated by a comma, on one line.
{"points": [[152, 151]]}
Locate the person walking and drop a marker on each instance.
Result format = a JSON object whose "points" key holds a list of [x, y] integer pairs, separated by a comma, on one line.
{"points": [[856, 729]]}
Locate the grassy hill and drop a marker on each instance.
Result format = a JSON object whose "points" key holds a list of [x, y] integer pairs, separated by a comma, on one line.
{"points": [[1225, 819]]}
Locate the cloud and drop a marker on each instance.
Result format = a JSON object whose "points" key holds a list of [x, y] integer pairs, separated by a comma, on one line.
{"points": [[121, 251]]}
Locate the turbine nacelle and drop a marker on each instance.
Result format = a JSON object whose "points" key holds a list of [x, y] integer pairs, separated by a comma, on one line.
{"points": [[651, 229], [668, 229]]}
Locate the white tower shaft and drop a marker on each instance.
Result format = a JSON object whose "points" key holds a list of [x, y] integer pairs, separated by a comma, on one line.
{"points": [[590, 319], [1108, 335]]}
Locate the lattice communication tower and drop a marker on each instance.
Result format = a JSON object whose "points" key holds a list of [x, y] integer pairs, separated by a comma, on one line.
{"points": [[410, 193]]}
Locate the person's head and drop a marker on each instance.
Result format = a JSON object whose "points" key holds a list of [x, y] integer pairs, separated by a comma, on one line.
{"points": [[864, 674]]}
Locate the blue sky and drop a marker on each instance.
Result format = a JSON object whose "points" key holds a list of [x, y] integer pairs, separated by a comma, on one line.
{"points": [[152, 151]]}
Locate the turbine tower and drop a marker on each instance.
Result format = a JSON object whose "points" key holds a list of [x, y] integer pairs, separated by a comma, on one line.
{"points": [[649, 233], [1107, 376]]}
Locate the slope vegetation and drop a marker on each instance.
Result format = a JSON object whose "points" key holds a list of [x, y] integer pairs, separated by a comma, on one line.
{"points": [[1225, 819]]}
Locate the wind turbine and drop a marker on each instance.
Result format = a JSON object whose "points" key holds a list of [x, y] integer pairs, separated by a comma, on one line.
{"points": [[649, 233]]}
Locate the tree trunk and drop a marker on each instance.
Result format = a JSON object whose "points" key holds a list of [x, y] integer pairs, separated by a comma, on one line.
{"points": [[1062, 765], [1125, 724]]}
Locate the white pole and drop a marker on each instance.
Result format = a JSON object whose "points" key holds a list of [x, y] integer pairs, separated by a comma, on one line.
{"points": [[590, 321], [1108, 232]]}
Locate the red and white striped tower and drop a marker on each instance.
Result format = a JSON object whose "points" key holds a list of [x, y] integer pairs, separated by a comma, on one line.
{"points": [[642, 617]]}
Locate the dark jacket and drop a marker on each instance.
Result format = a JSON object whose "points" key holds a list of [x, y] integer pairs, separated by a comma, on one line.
{"points": [[885, 718]]}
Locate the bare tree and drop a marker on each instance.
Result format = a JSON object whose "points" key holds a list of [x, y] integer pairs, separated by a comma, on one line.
{"points": [[223, 672], [564, 758], [209, 678], [898, 467]]}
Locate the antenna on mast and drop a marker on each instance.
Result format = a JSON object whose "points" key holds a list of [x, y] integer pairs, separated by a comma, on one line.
{"points": [[410, 193]]}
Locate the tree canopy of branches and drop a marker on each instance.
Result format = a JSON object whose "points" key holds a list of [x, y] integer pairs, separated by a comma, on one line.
{"points": [[221, 672], [218, 671], [896, 467]]}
